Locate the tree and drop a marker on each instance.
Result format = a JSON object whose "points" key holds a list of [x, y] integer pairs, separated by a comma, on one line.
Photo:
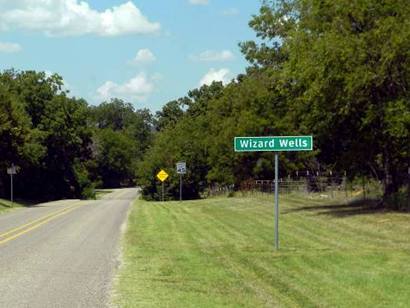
{"points": [[67, 138], [48, 136], [14, 128], [170, 114], [122, 135], [114, 158], [346, 76], [17, 140], [115, 114]]}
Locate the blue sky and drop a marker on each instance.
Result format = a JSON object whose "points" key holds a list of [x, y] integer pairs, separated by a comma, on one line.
{"points": [[147, 52]]}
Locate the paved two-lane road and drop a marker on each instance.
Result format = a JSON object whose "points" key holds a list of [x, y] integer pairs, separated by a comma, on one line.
{"points": [[62, 254]]}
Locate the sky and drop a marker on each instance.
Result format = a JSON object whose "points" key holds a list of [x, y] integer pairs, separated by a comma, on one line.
{"points": [[146, 52]]}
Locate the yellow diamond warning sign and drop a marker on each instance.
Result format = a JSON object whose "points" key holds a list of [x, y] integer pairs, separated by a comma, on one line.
{"points": [[162, 175]]}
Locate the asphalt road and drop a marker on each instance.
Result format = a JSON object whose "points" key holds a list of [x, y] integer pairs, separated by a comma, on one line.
{"points": [[62, 254]]}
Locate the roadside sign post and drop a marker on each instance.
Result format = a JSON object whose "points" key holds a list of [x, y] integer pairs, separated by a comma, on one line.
{"points": [[274, 144], [11, 171], [181, 170], [276, 201], [162, 176], [11, 189], [180, 187]]}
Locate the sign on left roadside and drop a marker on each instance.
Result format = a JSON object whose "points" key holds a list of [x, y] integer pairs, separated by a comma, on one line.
{"points": [[12, 170]]}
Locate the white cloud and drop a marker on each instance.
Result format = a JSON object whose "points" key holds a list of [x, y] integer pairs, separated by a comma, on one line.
{"points": [[198, 2], [73, 18], [215, 75], [212, 56], [9, 47], [143, 56], [136, 89]]}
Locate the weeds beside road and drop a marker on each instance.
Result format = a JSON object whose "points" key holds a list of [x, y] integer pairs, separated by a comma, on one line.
{"points": [[6, 205]]}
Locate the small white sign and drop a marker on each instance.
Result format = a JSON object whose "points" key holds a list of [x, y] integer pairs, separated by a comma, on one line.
{"points": [[181, 167], [12, 170]]}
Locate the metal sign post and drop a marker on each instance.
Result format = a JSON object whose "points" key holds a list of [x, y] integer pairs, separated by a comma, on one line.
{"points": [[11, 171], [180, 187], [276, 201], [274, 144], [11, 190], [181, 170], [162, 176]]}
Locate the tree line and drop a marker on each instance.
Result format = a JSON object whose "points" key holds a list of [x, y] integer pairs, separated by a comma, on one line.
{"points": [[63, 147], [337, 71]]}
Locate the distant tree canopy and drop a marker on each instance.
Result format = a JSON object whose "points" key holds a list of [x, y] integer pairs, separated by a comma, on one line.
{"points": [[122, 136]]}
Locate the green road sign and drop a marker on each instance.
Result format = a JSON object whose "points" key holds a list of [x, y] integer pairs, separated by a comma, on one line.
{"points": [[273, 144]]}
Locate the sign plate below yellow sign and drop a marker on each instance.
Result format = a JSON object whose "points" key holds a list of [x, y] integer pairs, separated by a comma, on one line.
{"points": [[162, 175]]}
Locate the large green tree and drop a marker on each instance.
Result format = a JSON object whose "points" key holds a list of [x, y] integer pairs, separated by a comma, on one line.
{"points": [[47, 135], [345, 71], [17, 139]]}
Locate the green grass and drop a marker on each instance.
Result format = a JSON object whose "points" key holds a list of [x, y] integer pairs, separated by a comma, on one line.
{"points": [[5, 205], [219, 253]]}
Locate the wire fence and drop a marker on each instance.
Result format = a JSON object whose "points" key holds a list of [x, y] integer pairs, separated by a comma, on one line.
{"points": [[322, 186]]}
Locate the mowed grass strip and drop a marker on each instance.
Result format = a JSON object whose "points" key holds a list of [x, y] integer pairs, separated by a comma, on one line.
{"points": [[6, 205], [219, 253]]}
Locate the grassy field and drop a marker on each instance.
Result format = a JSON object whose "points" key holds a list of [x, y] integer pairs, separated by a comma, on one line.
{"points": [[219, 253]]}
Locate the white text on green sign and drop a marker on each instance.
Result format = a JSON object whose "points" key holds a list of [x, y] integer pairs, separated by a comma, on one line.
{"points": [[273, 144]]}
